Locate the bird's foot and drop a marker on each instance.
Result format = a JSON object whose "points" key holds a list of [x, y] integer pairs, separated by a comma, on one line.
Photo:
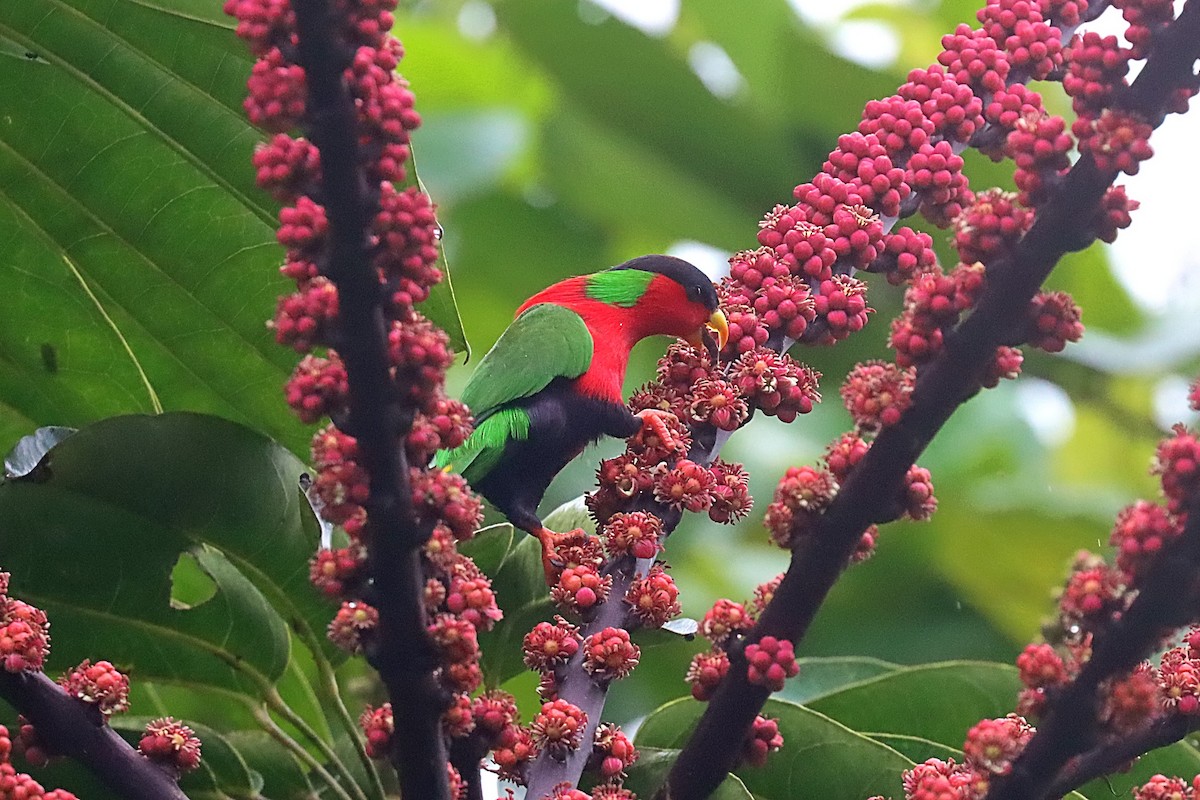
{"points": [[552, 543], [654, 423]]}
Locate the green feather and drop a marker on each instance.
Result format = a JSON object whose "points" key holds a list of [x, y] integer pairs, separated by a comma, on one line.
{"points": [[475, 457], [544, 343], [619, 287]]}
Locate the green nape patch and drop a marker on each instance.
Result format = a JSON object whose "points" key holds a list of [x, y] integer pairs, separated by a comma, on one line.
{"points": [[619, 287], [475, 457]]}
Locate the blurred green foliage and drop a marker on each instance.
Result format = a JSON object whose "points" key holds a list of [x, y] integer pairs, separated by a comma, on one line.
{"points": [[557, 140]]}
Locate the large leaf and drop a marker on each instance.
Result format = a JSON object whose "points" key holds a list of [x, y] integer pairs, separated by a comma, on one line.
{"points": [[95, 538], [939, 702], [823, 676], [139, 259], [820, 756], [652, 766]]}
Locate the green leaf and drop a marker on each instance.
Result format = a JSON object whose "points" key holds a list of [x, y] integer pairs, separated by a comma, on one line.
{"points": [[282, 776], [820, 756], [939, 702], [652, 766], [822, 676], [95, 542], [1180, 760]]}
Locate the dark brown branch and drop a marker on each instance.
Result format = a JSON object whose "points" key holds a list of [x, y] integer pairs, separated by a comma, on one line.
{"points": [[77, 730], [402, 651], [947, 382], [1112, 756]]}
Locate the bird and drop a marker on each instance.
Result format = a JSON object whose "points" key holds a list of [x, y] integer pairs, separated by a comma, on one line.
{"points": [[552, 383]]}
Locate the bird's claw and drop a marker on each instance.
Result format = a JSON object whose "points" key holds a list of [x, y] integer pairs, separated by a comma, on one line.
{"points": [[654, 421], [552, 563]]}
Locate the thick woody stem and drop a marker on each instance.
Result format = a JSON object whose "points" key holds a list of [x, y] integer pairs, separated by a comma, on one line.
{"points": [[402, 651], [944, 384], [77, 730]]}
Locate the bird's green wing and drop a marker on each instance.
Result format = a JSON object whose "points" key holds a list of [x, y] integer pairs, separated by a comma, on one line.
{"points": [[546, 342]]}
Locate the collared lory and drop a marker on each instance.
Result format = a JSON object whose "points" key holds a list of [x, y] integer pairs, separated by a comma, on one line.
{"points": [[552, 383]]}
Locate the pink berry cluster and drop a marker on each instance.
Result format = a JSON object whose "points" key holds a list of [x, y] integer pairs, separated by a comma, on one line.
{"points": [[770, 661], [403, 252], [18, 784]]}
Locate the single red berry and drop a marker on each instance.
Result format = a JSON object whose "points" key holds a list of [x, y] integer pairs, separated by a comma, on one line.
{"points": [[172, 743]]}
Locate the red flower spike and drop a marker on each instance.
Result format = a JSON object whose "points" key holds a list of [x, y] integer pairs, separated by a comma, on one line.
{"points": [[842, 303], [1039, 144], [682, 366], [905, 254], [770, 661], [565, 791], [635, 533], [440, 549], [953, 108], [1139, 534], [973, 59], [802, 493], [420, 353], [748, 268], [877, 393], [763, 594], [318, 388], [992, 744], [784, 304], [942, 780], [864, 161], [610, 791], [919, 502], [455, 638], [1177, 461], [1131, 701], [900, 125], [866, 545], [658, 397], [1113, 214], [653, 599], [276, 91], [762, 739], [1116, 140], [1095, 71], [1092, 592], [353, 621], [610, 655], [718, 403], [550, 645], [705, 672], [1160, 787], [746, 330], [100, 684], [625, 475], [286, 167], [457, 720], [731, 495], [407, 231], [1179, 682], [778, 385], [844, 453], [171, 743], [470, 597], [24, 636], [1033, 45], [445, 423], [580, 588], [723, 621], [262, 24], [1006, 365], [558, 728], [446, 497], [514, 750], [687, 485], [494, 710], [990, 226], [378, 725], [1041, 667], [612, 753], [1054, 321], [304, 319]]}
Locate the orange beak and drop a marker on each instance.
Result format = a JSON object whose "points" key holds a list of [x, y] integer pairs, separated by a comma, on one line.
{"points": [[716, 328]]}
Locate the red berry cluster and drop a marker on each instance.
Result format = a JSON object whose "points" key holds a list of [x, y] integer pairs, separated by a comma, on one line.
{"points": [[24, 632], [172, 744], [18, 784], [770, 662], [100, 684]]}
